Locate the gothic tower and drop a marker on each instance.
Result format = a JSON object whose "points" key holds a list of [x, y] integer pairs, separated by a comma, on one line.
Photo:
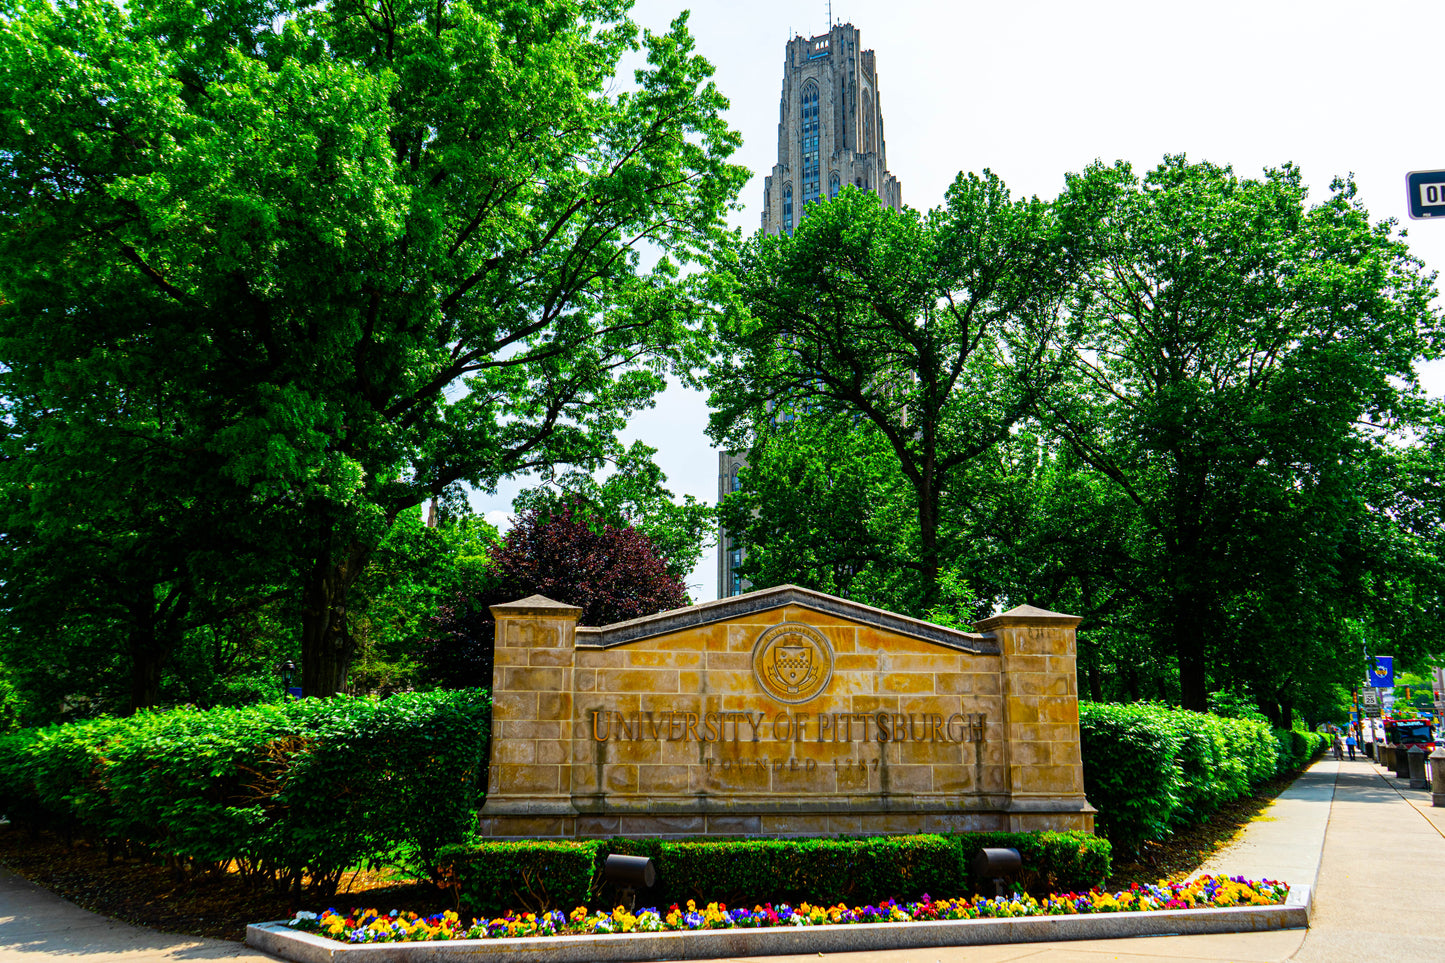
{"points": [[830, 133], [830, 128]]}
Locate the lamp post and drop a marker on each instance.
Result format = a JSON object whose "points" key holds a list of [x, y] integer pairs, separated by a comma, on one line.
{"points": [[288, 680]]}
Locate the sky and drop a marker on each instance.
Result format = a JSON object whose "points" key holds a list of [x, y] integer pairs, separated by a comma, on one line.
{"points": [[1035, 89]]}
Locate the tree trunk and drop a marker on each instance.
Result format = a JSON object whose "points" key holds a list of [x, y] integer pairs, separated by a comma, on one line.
{"points": [[327, 646], [928, 542], [155, 627], [1190, 626], [147, 660], [1193, 678]]}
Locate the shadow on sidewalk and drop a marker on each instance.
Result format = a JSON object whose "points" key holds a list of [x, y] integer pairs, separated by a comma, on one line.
{"points": [[34, 922]]}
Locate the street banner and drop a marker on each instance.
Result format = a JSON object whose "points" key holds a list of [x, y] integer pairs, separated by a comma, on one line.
{"points": [[1382, 673]]}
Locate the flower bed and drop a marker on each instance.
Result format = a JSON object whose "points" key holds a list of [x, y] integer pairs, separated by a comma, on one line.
{"points": [[370, 926]]}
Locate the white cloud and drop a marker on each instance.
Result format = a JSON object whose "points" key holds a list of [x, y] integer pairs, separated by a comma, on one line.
{"points": [[499, 519]]}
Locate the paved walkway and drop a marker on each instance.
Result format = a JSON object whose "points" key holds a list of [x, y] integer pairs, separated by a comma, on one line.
{"points": [[36, 926], [1374, 848]]}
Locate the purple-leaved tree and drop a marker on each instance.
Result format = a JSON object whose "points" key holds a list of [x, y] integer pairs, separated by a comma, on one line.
{"points": [[612, 572]]}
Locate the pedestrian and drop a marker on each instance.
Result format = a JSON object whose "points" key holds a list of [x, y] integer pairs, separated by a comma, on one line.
{"points": [[1350, 745], [1339, 748]]}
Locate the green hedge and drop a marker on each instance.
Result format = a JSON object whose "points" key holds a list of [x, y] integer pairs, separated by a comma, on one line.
{"points": [[492, 877], [310, 787], [1150, 769], [1297, 748], [1069, 862], [827, 871], [534, 874]]}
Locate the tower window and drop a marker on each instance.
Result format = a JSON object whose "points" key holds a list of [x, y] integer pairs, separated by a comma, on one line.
{"points": [[834, 185], [735, 558], [810, 143], [788, 208]]}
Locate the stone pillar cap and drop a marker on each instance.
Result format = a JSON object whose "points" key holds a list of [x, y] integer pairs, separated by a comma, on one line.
{"points": [[1026, 615], [536, 606]]}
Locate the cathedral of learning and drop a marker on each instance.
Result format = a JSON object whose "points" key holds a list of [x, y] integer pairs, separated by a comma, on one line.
{"points": [[830, 133]]}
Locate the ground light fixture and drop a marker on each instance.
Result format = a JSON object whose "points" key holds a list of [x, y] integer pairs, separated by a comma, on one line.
{"points": [[631, 873], [1001, 865]]}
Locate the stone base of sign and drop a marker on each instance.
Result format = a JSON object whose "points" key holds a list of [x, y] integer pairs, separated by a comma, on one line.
{"points": [[781, 712], [782, 819], [278, 939]]}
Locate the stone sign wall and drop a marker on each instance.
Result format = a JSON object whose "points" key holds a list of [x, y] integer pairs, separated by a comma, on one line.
{"points": [[781, 712]]}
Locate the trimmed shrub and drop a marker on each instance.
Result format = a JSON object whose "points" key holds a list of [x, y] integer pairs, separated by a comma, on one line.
{"points": [[493, 877], [819, 870], [1256, 747], [1202, 750], [19, 799], [1150, 769], [1070, 862], [307, 788], [534, 874], [1297, 748], [1130, 775]]}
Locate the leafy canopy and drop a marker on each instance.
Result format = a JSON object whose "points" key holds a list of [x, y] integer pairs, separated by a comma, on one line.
{"points": [[938, 332], [337, 257]]}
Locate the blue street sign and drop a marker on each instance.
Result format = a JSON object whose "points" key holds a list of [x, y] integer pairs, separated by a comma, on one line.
{"points": [[1382, 673], [1426, 191]]}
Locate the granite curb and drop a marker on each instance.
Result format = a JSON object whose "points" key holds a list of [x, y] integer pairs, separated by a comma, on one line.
{"points": [[278, 939]]}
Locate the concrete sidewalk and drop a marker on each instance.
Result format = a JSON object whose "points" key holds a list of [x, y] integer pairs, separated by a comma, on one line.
{"points": [[35, 924], [1359, 835]]}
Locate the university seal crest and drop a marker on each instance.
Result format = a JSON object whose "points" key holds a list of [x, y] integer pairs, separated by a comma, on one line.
{"points": [[792, 662]]}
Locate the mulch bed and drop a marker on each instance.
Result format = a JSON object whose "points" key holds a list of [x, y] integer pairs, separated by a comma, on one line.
{"points": [[1183, 853], [220, 906]]}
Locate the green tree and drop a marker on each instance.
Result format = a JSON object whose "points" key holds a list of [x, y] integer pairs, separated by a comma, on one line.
{"points": [[371, 250], [1246, 354], [939, 332], [117, 541], [417, 569], [1038, 527], [823, 504]]}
